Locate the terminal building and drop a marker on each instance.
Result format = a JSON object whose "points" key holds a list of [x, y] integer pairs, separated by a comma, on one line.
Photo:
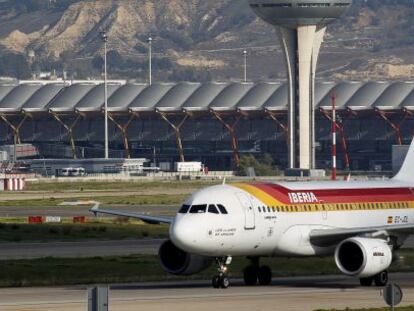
{"points": [[214, 123]]}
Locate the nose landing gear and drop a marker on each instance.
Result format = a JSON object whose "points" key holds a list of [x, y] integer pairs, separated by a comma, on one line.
{"points": [[221, 280]]}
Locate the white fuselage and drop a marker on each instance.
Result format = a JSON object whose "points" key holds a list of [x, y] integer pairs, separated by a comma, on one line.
{"points": [[253, 228]]}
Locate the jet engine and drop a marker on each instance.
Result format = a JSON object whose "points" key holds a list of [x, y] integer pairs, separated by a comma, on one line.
{"points": [[178, 262], [363, 257]]}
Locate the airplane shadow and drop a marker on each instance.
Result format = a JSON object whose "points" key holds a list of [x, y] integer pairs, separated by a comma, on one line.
{"points": [[317, 283]]}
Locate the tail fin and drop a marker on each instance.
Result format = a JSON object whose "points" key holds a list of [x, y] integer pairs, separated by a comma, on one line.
{"points": [[406, 172]]}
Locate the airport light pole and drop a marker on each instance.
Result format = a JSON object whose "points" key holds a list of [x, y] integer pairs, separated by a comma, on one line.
{"points": [[105, 41], [245, 65], [150, 60], [333, 97]]}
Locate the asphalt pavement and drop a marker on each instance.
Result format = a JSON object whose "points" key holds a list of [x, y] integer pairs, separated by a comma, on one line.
{"points": [[84, 249], [286, 294]]}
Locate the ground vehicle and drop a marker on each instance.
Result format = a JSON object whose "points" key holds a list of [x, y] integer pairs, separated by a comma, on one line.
{"points": [[72, 171]]}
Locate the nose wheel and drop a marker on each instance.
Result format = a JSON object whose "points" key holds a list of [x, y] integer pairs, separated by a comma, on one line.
{"points": [[221, 280]]}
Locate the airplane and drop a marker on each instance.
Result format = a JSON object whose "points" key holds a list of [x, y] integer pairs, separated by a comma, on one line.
{"points": [[360, 223]]}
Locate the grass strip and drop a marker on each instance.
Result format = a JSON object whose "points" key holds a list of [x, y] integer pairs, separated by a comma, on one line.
{"points": [[120, 186], [19, 232], [57, 271], [62, 271], [159, 199]]}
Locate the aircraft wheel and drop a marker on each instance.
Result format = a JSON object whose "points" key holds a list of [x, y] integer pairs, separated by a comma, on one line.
{"points": [[381, 279], [366, 281], [250, 275], [265, 275], [224, 282], [216, 281]]}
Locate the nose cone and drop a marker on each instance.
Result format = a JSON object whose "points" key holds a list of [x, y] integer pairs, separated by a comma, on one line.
{"points": [[183, 234]]}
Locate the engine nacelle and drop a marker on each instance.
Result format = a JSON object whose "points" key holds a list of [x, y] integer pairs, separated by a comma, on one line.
{"points": [[363, 257], [178, 262]]}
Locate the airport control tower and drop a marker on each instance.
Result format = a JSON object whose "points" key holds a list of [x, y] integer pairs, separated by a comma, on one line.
{"points": [[301, 25]]}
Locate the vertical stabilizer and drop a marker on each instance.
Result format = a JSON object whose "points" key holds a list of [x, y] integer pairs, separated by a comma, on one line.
{"points": [[406, 172]]}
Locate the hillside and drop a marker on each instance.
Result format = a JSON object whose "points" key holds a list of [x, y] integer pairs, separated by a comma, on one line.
{"points": [[197, 39]]}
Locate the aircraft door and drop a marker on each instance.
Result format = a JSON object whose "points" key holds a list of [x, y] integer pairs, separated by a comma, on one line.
{"points": [[246, 203]]}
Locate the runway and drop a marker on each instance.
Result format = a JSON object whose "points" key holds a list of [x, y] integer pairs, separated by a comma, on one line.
{"points": [[71, 211], [79, 249], [305, 294]]}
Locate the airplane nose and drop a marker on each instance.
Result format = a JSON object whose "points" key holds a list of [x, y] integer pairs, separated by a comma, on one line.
{"points": [[183, 235]]}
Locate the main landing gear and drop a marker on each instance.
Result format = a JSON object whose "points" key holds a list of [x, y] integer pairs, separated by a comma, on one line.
{"points": [[255, 273], [381, 279], [221, 280]]}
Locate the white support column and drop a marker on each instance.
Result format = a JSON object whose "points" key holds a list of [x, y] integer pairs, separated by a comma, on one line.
{"points": [[306, 38], [288, 41], [301, 47], [320, 33]]}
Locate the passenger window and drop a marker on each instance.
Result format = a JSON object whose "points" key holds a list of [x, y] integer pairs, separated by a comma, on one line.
{"points": [[213, 209], [198, 209], [222, 209], [184, 209]]}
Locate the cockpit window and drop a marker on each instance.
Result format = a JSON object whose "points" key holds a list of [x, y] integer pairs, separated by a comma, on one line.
{"points": [[198, 209], [213, 209], [184, 209], [222, 209]]}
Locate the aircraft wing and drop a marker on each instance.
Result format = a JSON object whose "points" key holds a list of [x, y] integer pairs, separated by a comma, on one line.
{"points": [[330, 237], [155, 220]]}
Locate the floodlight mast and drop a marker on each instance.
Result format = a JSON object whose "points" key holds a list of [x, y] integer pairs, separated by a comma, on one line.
{"points": [[150, 60], [301, 26], [245, 66], [104, 38]]}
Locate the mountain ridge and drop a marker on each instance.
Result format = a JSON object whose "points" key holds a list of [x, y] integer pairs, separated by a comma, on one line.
{"points": [[371, 40]]}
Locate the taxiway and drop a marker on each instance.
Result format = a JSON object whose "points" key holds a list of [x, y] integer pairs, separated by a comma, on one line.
{"points": [[305, 294]]}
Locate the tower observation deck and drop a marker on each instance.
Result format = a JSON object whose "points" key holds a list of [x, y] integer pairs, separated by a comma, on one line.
{"points": [[301, 25]]}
